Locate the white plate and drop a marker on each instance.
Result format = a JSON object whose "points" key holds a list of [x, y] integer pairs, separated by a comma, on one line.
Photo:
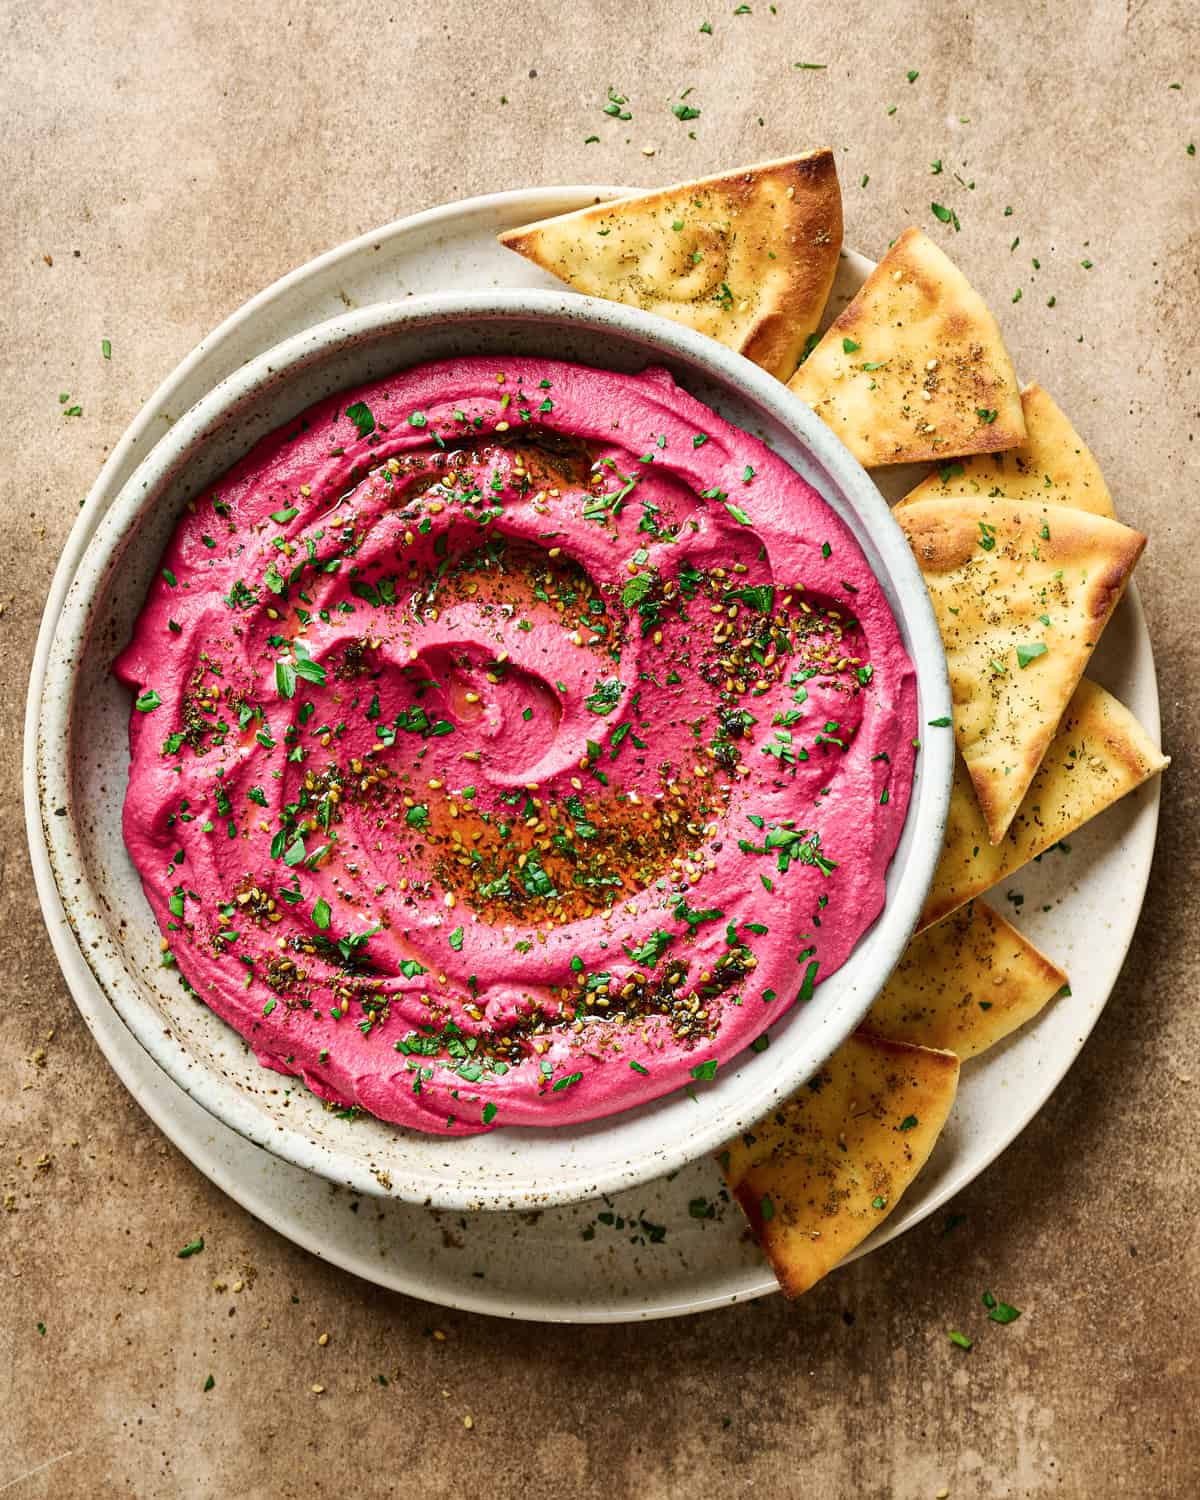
{"points": [[625, 1268]]}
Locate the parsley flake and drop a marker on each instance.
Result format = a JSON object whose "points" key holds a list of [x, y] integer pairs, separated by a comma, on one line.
{"points": [[362, 417]]}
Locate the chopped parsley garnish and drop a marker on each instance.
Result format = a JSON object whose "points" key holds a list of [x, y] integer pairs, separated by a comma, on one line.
{"points": [[1000, 1312], [760, 597], [362, 417], [694, 918], [605, 696], [615, 106], [649, 952]]}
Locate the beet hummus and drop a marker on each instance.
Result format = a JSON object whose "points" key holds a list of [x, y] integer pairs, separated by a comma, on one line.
{"points": [[513, 743]]}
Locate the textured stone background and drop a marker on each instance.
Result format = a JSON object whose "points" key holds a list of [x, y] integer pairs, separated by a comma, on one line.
{"points": [[173, 158]]}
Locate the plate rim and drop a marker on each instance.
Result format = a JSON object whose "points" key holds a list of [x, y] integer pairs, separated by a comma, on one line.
{"points": [[525, 202]]}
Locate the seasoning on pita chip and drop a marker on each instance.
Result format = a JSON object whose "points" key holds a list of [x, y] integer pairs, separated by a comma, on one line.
{"points": [[831, 1163], [964, 984], [1021, 593], [915, 367], [747, 257], [1099, 754], [1053, 465]]}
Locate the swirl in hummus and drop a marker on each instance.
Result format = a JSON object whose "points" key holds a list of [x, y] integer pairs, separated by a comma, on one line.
{"points": [[512, 744]]}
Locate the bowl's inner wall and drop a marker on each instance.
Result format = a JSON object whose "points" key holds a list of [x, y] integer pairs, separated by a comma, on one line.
{"points": [[512, 1164]]}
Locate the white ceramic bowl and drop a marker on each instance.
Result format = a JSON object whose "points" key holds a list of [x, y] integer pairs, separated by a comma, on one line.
{"points": [[82, 759]]}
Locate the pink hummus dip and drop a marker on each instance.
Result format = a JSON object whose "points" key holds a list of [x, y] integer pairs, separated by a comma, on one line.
{"points": [[512, 744]]}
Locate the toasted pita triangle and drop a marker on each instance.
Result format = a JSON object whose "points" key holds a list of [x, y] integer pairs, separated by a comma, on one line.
{"points": [[746, 257], [1099, 754], [915, 367], [964, 984], [1021, 593], [828, 1166], [1053, 465]]}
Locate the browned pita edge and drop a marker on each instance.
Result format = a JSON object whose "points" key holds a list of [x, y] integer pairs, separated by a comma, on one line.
{"points": [[824, 1170], [1053, 465], [990, 599], [799, 202], [915, 368], [1099, 754], [964, 984]]}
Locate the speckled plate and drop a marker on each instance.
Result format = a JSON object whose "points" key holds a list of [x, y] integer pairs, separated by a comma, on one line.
{"points": [[654, 1250]]}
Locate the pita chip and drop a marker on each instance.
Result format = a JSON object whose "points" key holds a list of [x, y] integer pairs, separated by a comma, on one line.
{"points": [[1099, 754], [964, 984], [831, 1163], [747, 257], [1052, 466], [1021, 592], [914, 369]]}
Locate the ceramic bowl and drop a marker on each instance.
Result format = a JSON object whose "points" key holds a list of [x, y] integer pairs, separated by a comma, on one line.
{"points": [[82, 758]]}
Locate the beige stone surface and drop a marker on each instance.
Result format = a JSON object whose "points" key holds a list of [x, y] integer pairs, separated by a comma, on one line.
{"points": [[171, 158]]}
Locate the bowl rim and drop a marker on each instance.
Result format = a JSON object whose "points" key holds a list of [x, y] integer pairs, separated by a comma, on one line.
{"points": [[264, 373]]}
